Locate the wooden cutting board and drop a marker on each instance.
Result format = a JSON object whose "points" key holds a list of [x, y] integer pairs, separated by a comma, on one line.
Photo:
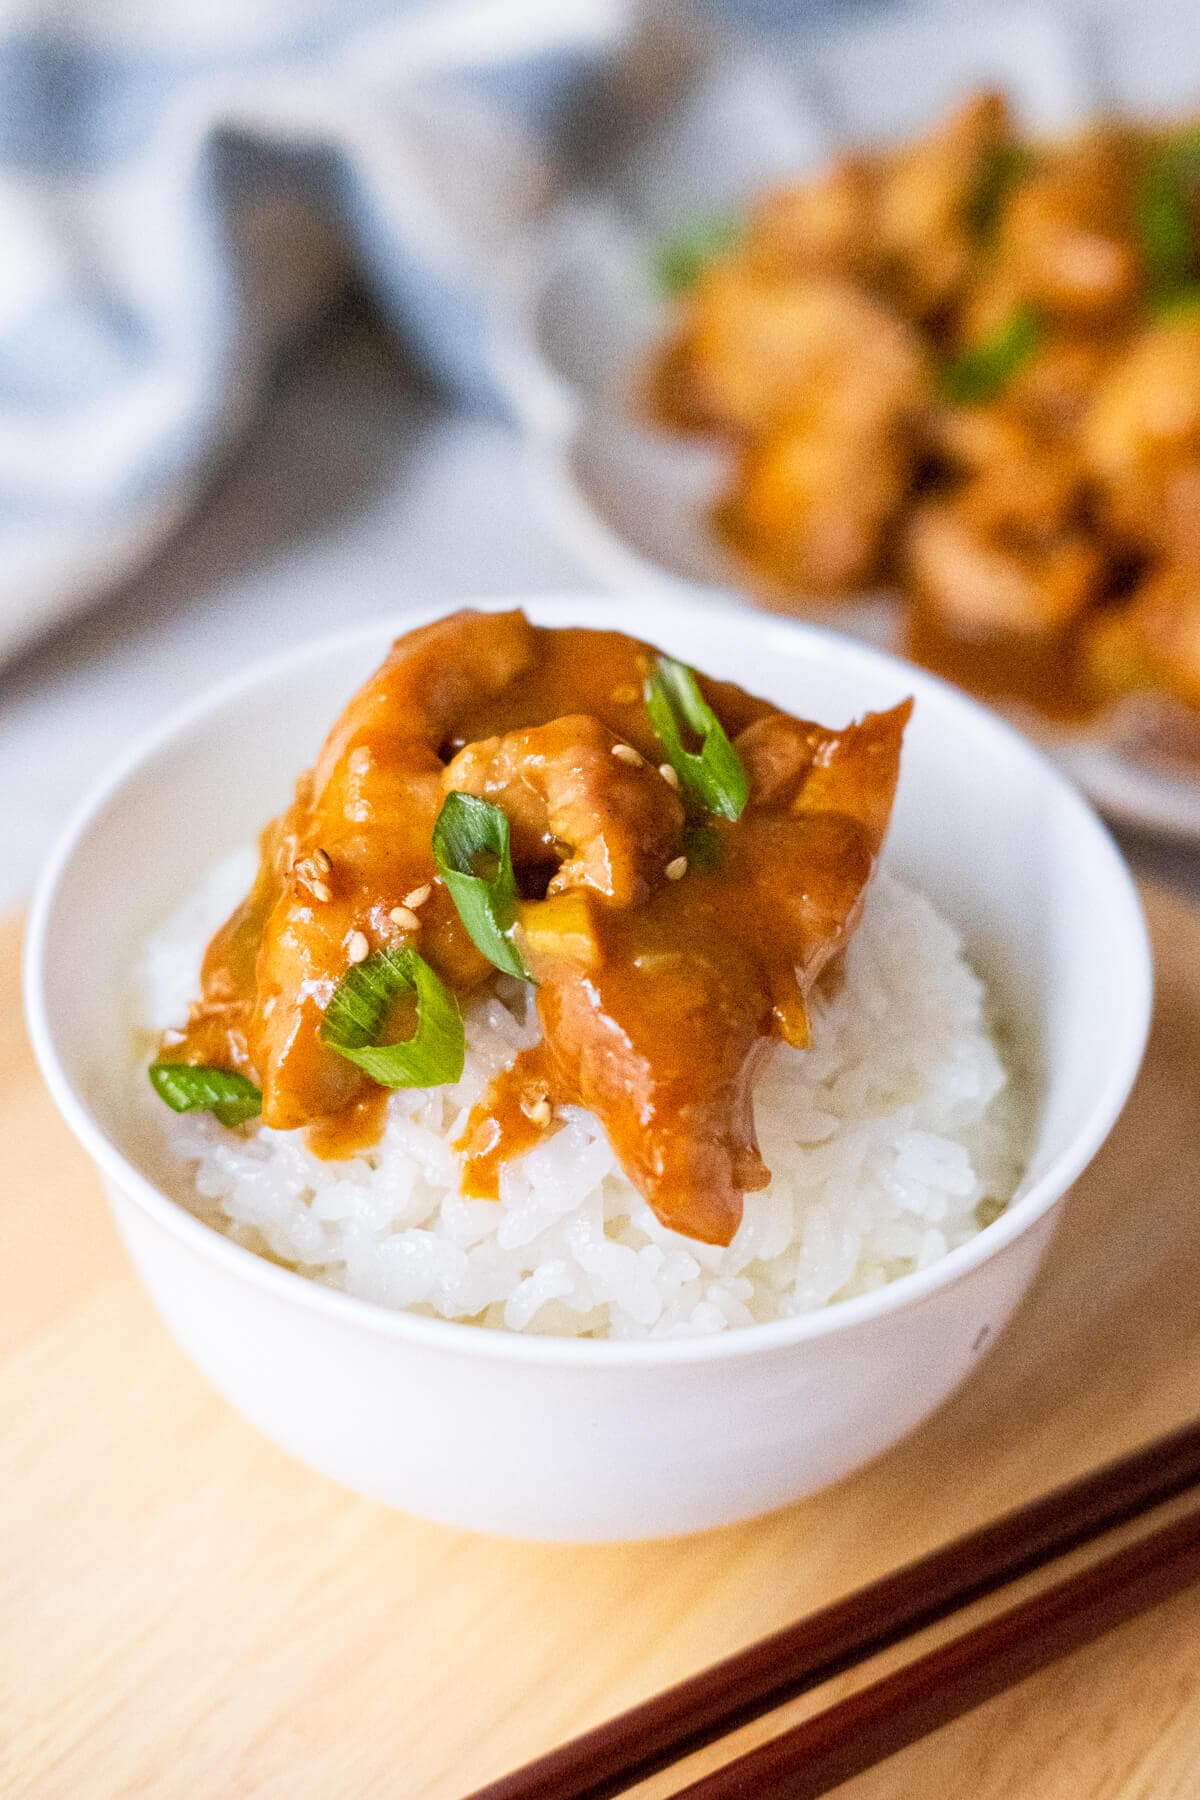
{"points": [[185, 1612]]}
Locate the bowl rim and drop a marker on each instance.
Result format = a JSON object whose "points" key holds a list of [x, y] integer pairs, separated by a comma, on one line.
{"points": [[454, 1336]]}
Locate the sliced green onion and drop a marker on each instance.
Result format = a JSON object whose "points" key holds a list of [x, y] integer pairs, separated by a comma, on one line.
{"points": [[979, 375], [1183, 304], [1004, 166], [712, 776], [358, 1010], [682, 258], [194, 1087], [1164, 211], [470, 831], [1165, 228]]}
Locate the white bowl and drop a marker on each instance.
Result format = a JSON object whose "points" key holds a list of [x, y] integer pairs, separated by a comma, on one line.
{"points": [[567, 1439]]}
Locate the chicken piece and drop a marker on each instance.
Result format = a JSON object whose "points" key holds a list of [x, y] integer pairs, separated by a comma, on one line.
{"points": [[355, 841], [1043, 392], [1002, 559], [661, 1039], [661, 1044], [815, 492], [927, 205], [420, 691], [811, 505], [741, 341], [1141, 436], [1067, 242], [1028, 500], [777, 752], [805, 769], [969, 439], [753, 348], [572, 790], [819, 228], [1055, 388]]}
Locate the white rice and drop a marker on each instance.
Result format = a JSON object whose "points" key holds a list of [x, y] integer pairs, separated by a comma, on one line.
{"points": [[890, 1141]]}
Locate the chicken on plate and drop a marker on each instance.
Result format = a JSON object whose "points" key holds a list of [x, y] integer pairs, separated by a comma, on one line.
{"points": [[968, 367]]}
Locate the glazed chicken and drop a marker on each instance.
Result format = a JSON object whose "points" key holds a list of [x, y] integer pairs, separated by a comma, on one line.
{"points": [[824, 387], [668, 948], [931, 197], [968, 365], [1141, 436]]}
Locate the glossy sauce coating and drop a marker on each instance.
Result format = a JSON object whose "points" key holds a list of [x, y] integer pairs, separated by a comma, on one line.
{"points": [[665, 961]]}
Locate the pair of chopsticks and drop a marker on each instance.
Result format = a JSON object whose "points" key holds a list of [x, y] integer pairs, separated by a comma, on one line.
{"points": [[855, 1734]]}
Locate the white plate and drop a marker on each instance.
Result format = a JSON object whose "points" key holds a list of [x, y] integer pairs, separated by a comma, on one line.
{"points": [[630, 502]]}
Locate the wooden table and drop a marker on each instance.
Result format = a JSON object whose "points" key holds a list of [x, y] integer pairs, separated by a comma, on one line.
{"points": [[185, 1612]]}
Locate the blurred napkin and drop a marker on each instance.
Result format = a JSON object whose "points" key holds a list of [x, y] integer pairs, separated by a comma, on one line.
{"points": [[183, 184]]}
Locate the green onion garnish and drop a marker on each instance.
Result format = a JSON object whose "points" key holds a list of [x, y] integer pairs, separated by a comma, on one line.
{"points": [[469, 833], [194, 1087], [1183, 304], [682, 258], [1004, 165], [1164, 210], [712, 776], [979, 375], [1166, 233], [356, 1014]]}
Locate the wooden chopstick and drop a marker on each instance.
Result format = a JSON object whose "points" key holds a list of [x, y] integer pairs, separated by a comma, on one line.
{"points": [[662, 1730], [856, 1734]]}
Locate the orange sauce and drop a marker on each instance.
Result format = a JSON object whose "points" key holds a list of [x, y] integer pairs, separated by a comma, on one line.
{"points": [[513, 1116], [343, 1134]]}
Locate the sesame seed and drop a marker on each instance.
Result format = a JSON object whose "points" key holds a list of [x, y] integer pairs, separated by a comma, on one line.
{"points": [[676, 869], [360, 760], [310, 871], [625, 753], [624, 695], [419, 895], [537, 1111], [405, 918], [358, 949], [668, 774]]}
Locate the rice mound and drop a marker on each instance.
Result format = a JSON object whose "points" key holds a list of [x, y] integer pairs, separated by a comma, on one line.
{"points": [[890, 1140]]}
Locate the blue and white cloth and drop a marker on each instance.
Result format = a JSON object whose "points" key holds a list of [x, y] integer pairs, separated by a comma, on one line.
{"points": [[183, 184]]}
